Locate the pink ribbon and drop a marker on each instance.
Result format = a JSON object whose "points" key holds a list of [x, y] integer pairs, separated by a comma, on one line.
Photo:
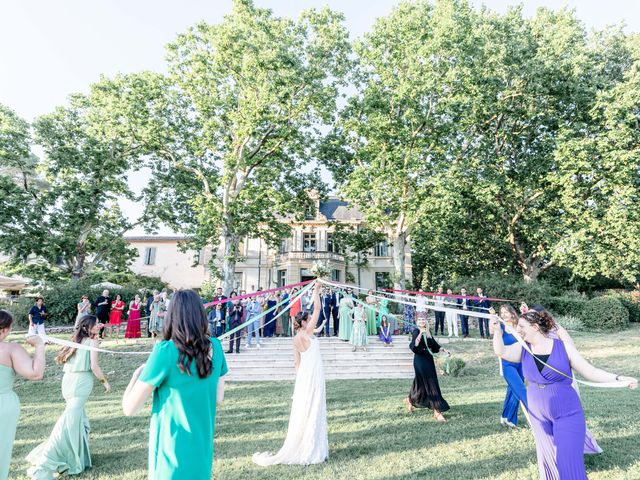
{"points": [[255, 294]]}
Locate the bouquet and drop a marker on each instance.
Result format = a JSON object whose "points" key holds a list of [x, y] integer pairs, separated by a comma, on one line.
{"points": [[320, 269]]}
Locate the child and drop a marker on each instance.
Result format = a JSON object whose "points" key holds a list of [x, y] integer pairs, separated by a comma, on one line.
{"points": [[385, 332]]}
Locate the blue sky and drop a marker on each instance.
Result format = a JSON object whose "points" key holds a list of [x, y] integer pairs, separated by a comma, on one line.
{"points": [[49, 49]]}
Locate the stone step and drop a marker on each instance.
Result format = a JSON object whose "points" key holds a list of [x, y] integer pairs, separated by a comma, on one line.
{"points": [[328, 376]]}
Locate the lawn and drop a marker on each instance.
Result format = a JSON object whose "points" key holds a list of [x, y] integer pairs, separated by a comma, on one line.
{"points": [[371, 436]]}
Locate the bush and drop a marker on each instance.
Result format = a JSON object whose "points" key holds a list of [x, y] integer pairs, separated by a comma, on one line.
{"points": [[20, 311], [570, 323], [605, 313], [630, 301], [571, 306], [451, 365]]}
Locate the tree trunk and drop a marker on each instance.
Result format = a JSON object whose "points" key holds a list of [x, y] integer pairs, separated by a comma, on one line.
{"points": [[399, 241], [229, 245], [530, 271], [77, 272]]}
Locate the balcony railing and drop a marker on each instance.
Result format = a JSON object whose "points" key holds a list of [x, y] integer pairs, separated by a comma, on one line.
{"points": [[297, 255]]}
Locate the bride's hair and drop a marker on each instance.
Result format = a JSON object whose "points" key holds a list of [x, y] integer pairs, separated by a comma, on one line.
{"points": [[297, 321]]}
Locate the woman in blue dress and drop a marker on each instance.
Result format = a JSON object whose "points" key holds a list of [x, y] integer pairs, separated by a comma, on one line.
{"points": [[269, 324], [512, 372]]}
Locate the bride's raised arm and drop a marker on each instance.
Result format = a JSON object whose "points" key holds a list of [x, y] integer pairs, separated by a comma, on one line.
{"points": [[313, 321]]}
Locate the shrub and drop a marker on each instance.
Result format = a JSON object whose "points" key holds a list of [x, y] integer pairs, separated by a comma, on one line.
{"points": [[571, 306], [451, 365], [20, 311], [605, 313], [630, 302], [570, 323]]}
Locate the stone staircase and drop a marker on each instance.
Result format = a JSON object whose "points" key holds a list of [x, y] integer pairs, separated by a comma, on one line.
{"points": [[274, 360]]}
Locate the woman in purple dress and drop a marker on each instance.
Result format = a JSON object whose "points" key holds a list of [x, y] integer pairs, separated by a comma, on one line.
{"points": [[556, 415]]}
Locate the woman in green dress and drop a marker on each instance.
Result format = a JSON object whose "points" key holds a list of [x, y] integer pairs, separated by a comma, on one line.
{"points": [[345, 312], [372, 312], [184, 375], [67, 449], [14, 359], [384, 310]]}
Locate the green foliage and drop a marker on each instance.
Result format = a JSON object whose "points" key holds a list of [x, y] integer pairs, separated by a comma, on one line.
{"points": [[605, 313], [228, 132], [567, 305], [570, 323], [67, 217], [507, 287], [20, 311], [207, 290], [452, 366], [631, 302]]}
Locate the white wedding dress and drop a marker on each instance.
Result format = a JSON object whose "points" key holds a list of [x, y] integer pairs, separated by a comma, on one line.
{"points": [[307, 439]]}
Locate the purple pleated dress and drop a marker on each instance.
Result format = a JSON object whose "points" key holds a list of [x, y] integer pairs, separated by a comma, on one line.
{"points": [[557, 418]]}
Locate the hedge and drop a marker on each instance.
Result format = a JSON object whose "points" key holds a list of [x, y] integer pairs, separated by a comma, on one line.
{"points": [[605, 313]]}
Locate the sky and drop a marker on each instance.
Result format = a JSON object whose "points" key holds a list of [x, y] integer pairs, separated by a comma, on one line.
{"points": [[49, 49]]}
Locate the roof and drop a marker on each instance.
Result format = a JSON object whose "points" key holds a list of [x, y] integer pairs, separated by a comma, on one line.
{"points": [[335, 209]]}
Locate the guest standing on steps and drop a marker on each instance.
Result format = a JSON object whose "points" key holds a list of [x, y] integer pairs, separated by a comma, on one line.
{"points": [[346, 316], [359, 337], [234, 319]]}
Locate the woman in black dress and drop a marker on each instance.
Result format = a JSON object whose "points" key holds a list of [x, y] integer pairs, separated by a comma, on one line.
{"points": [[425, 390]]}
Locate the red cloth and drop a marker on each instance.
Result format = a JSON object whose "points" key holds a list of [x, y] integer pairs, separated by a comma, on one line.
{"points": [[133, 324], [115, 317], [295, 308]]}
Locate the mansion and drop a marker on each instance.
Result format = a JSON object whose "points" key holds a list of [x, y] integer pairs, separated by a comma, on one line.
{"points": [[264, 267]]}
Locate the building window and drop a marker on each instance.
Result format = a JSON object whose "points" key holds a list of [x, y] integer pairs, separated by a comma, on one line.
{"points": [[238, 280], [283, 246], [282, 278], [198, 258], [381, 249], [332, 246], [335, 275], [309, 242], [383, 280], [310, 211], [150, 256]]}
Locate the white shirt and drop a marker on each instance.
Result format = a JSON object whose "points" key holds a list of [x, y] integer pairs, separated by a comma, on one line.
{"points": [[421, 303]]}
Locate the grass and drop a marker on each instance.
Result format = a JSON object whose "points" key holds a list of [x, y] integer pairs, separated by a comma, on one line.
{"points": [[370, 434]]}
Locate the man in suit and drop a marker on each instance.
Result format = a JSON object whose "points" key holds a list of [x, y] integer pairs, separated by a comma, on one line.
{"points": [[219, 296], [439, 313], [335, 310], [234, 319], [482, 305], [465, 305], [325, 314], [102, 307]]}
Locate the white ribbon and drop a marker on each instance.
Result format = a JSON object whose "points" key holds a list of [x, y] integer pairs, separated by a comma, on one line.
{"points": [[81, 346]]}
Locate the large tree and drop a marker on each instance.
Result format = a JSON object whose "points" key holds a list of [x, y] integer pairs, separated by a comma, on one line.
{"points": [[543, 108], [229, 133], [62, 210], [393, 137]]}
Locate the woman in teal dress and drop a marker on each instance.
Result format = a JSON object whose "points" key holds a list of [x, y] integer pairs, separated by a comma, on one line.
{"points": [[372, 311], [14, 359], [184, 375], [345, 312], [67, 449], [384, 311]]}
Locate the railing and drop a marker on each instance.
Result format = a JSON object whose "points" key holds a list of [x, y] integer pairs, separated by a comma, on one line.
{"points": [[283, 257]]}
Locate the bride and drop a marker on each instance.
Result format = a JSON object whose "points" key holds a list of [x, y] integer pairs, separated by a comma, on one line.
{"points": [[307, 439]]}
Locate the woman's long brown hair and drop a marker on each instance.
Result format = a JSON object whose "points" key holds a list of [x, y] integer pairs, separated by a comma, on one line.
{"points": [[187, 326], [80, 335]]}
